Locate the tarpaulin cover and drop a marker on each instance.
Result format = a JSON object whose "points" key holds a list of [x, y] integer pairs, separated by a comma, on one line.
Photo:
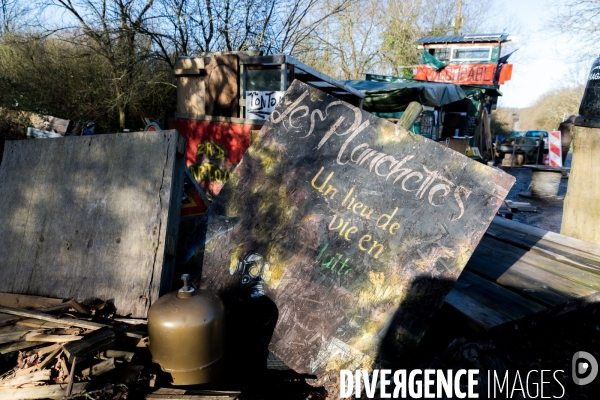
{"points": [[429, 59], [391, 97]]}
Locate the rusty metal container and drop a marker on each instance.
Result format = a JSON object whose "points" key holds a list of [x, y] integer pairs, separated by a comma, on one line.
{"points": [[186, 333], [589, 109]]}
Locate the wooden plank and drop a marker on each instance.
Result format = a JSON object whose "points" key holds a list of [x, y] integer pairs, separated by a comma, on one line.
{"points": [[545, 248], [23, 379], [27, 302], [324, 192], [507, 251], [47, 350], [496, 297], [58, 308], [533, 235], [132, 321], [410, 115], [530, 282], [71, 377], [37, 337], [50, 358], [479, 313], [228, 393], [520, 206], [63, 322], [13, 337], [100, 368], [38, 323], [99, 340], [78, 307], [22, 345], [184, 394], [125, 355], [13, 328], [6, 319], [41, 392], [95, 224]]}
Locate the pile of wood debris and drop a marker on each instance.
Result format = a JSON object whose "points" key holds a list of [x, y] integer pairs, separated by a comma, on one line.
{"points": [[50, 348]]}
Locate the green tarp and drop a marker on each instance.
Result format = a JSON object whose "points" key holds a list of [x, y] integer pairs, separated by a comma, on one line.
{"points": [[394, 97], [428, 59]]}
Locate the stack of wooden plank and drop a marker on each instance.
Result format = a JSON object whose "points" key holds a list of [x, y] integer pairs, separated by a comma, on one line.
{"points": [[50, 348], [519, 272], [54, 356]]}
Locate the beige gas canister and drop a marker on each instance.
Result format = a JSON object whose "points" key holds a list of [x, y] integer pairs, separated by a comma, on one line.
{"points": [[186, 334]]}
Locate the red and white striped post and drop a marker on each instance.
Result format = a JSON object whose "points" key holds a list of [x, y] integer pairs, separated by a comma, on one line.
{"points": [[554, 149]]}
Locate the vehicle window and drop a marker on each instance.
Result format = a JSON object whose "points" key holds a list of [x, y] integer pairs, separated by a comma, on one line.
{"points": [[536, 133], [472, 54]]}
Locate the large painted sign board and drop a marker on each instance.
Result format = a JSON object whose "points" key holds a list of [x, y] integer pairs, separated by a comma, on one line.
{"points": [[353, 227]]}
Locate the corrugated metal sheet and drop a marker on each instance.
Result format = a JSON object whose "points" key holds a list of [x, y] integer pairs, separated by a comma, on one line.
{"points": [[476, 38]]}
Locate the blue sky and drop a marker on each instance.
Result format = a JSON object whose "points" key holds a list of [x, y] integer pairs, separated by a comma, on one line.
{"points": [[545, 60]]}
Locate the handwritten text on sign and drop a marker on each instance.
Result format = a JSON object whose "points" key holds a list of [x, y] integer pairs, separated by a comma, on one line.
{"points": [[359, 228], [428, 184], [260, 104]]}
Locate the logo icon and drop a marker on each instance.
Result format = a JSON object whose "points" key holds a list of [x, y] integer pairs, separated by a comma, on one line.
{"points": [[584, 364]]}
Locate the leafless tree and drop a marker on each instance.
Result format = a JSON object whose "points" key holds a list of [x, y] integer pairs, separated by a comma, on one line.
{"points": [[577, 18], [112, 29], [191, 27], [14, 15]]}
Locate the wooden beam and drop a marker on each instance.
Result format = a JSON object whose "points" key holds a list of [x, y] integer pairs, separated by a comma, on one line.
{"points": [[45, 317], [41, 392], [99, 340], [40, 337], [581, 211], [125, 355], [100, 368], [39, 324], [410, 115], [6, 319], [14, 336], [71, 377], [51, 357], [23, 379], [26, 301], [22, 345], [78, 307]]}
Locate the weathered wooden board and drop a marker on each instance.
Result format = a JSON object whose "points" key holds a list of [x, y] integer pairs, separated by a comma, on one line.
{"points": [[90, 217], [354, 228], [23, 301]]}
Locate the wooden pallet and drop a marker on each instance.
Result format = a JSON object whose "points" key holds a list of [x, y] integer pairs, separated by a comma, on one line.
{"points": [[518, 272]]}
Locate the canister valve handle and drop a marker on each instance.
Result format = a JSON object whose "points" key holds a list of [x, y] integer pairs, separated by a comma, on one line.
{"points": [[187, 288]]}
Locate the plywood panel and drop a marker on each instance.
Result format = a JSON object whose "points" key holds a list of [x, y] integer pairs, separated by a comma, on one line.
{"points": [[190, 94], [222, 93], [88, 217], [352, 227]]}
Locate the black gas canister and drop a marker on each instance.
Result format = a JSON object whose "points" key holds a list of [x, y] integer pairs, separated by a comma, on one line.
{"points": [[589, 109]]}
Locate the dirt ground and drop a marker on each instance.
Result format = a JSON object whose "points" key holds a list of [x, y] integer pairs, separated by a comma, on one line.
{"points": [[549, 213]]}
